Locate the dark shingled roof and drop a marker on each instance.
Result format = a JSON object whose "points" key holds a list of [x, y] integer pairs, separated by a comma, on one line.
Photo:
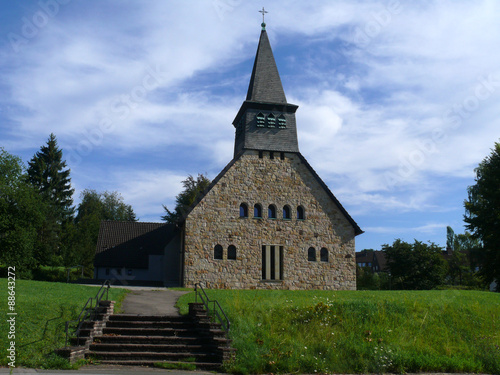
{"points": [[128, 244], [265, 83]]}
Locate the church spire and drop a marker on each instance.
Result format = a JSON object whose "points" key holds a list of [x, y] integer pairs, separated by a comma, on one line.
{"points": [[265, 83], [265, 121]]}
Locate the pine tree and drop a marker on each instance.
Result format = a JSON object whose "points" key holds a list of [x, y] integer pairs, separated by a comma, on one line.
{"points": [[47, 173]]}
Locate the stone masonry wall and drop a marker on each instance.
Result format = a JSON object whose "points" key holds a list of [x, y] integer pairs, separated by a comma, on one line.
{"points": [[216, 220]]}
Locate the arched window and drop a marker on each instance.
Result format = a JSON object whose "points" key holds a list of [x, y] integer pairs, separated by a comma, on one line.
{"points": [[323, 254], [271, 211], [261, 120], [231, 252], [311, 254], [300, 213], [282, 121], [218, 252], [243, 210], [287, 212], [271, 121], [257, 210]]}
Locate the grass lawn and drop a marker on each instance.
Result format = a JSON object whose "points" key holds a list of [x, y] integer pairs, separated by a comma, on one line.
{"points": [[42, 310], [361, 331]]}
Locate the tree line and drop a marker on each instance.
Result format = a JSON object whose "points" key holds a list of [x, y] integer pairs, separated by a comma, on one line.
{"points": [[471, 259], [39, 225]]}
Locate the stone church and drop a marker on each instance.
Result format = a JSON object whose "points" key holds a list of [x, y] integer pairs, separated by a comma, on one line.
{"points": [[267, 221]]}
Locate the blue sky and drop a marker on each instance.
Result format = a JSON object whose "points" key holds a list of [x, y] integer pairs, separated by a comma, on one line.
{"points": [[398, 100]]}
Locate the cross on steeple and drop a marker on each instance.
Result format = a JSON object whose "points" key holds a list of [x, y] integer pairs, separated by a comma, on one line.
{"points": [[263, 11]]}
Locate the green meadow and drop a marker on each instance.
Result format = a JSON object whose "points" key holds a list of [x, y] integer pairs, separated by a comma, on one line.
{"points": [[361, 331], [42, 310]]}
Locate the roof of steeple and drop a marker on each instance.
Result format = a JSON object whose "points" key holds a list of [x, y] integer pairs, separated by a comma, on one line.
{"points": [[265, 83]]}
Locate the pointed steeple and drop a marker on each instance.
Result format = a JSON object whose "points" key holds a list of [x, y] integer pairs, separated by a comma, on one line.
{"points": [[265, 121], [265, 83]]}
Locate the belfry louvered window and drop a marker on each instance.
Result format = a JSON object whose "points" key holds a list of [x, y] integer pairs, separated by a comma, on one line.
{"points": [[271, 121], [282, 121], [261, 120]]}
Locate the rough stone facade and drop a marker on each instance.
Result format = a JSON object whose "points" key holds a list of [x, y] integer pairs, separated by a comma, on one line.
{"points": [[283, 179]]}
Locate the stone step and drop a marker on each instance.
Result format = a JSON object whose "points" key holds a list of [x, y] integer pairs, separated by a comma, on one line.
{"points": [[149, 318], [153, 348], [164, 340], [182, 332], [153, 356], [209, 366], [150, 324]]}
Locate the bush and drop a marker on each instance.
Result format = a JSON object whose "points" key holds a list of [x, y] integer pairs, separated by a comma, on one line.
{"points": [[45, 273]]}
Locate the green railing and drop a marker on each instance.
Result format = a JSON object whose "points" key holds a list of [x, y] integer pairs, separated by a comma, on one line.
{"points": [[213, 307], [88, 313]]}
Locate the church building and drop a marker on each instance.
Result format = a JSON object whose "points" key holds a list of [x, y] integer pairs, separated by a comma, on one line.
{"points": [[267, 221]]}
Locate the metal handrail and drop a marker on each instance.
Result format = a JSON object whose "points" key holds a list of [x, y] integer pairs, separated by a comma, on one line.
{"points": [[216, 310], [88, 312]]}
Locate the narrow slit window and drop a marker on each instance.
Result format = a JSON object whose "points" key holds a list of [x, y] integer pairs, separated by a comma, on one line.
{"points": [[300, 213], [231, 252], [218, 252], [311, 254], [243, 210], [286, 213], [324, 254], [271, 211], [257, 211]]}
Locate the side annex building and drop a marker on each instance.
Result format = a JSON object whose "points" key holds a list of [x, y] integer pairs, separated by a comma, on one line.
{"points": [[267, 221]]}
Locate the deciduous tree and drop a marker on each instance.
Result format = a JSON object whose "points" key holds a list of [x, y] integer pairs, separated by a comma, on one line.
{"points": [[415, 266], [22, 213]]}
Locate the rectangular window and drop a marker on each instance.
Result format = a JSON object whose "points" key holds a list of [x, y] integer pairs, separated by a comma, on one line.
{"points": [[272, 262], [261, 154]]}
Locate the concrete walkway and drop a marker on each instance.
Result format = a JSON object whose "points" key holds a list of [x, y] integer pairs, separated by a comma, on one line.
{"points": [[151, 302]]}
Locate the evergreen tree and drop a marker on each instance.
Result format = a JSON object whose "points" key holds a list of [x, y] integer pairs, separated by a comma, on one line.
{"points": [[47, 173], [482, 214], [184, 200]]}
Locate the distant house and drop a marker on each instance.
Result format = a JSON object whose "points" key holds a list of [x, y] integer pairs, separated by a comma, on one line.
{"points": [[375, 260], [267, 221]]}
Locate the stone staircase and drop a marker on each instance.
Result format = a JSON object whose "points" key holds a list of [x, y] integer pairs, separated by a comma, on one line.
{"points": [[171, 341]]}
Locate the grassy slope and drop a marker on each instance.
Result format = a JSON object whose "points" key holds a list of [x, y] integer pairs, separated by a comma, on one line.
{"points": [[42, 310], [362, 331]]}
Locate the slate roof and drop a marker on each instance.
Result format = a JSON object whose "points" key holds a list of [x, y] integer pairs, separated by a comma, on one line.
{"points": [[128, 244], [265, 82]]}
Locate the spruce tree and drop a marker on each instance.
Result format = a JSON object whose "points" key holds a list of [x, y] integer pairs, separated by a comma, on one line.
{"points": [[48, 174], [46, 171]]}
